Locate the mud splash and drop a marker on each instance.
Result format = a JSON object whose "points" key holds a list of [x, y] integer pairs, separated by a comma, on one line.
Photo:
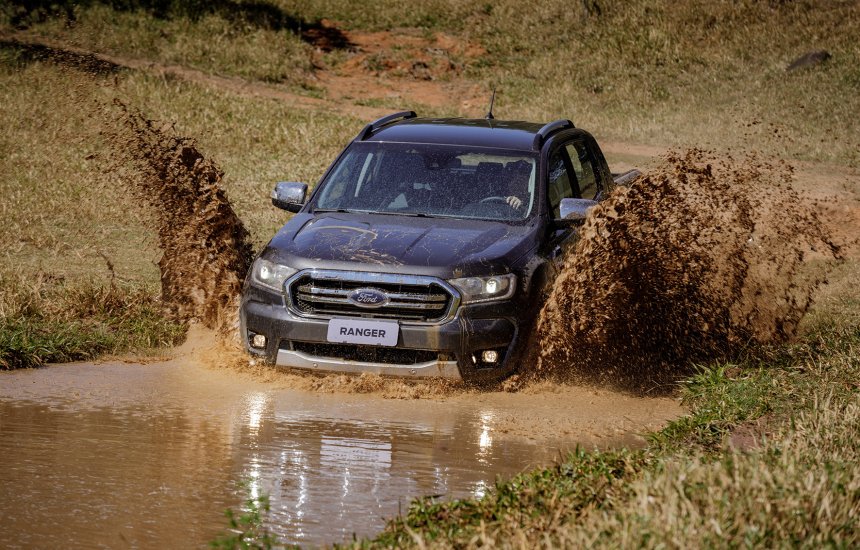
{"points": [[701, 259], [204, 244]]}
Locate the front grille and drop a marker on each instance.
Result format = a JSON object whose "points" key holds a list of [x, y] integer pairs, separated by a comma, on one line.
{"points": [[408, 300], [366, 354]]}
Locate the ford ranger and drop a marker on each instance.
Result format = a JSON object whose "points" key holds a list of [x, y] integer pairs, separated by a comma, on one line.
{"points": [[424, 249]]}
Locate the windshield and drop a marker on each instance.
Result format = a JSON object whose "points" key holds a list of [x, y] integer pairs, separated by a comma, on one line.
{"points": [[432, 180]]}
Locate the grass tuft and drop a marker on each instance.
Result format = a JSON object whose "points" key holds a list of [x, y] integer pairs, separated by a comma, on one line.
{"points": [[46, 321]]}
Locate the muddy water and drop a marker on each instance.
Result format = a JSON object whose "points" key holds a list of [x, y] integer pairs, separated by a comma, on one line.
{"points": [[115, 455]]}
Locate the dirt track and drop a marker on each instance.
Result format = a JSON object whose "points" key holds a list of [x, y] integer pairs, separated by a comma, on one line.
{"points": [[342, 88]]}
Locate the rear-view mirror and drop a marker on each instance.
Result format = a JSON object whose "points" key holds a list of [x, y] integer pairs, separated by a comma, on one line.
{"points": [[289, 195]]}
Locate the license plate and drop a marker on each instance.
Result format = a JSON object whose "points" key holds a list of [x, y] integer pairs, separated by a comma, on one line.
{"points": [[355, 331]]}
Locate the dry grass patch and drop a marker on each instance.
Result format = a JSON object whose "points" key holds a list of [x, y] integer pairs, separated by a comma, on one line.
{"points": [[800, 489], [45, 320], [690, 487]]}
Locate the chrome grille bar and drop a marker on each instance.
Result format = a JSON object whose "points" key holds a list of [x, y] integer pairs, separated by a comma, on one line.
{"points": [[412, 298], [391, 304], [310, 289]]}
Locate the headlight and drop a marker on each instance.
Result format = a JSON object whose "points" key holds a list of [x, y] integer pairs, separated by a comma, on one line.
{"points": [[270, 274], [485, 289]]}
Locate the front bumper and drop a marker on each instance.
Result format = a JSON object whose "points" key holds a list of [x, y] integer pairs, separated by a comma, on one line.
{"points": [[448, 350], [427, 369]]}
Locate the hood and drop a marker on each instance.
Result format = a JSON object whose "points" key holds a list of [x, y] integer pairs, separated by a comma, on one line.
{"points": [[432, 246]]}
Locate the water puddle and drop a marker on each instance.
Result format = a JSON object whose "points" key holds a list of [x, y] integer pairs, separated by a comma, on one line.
{"points": [[116, 455]]}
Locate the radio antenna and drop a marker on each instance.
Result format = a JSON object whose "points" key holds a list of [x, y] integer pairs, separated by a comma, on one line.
{"points": [[492, 100]]}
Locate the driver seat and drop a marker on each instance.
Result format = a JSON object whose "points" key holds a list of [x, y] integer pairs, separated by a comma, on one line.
{"points": [[517, 175]]}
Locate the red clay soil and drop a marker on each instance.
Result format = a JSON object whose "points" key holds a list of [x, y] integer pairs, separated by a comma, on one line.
{"points": [[400, 66], [404, 64]]}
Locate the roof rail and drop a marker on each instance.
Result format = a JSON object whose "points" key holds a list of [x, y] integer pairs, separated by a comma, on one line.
{"points": [[549, 128], [379, 123]]}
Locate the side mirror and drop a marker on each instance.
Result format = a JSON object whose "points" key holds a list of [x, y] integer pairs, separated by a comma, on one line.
{"points": [[574, 211], [289, 195]]}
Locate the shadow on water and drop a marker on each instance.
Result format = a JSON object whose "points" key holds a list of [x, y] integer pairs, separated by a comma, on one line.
{"points": [[258, 14]]}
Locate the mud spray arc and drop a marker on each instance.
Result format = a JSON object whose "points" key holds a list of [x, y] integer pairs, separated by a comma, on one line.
{"points": [[701, 258], [204, 244]]}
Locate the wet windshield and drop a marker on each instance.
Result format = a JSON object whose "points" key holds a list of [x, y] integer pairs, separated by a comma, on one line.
{"points": [[432, 180]]}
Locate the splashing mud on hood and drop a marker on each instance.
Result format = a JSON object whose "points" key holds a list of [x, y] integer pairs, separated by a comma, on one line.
{"points": [[700, 259], [205, 253]]}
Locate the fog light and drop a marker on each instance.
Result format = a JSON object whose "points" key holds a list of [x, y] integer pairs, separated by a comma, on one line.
{"points": [[258, 341], [490, 356]]}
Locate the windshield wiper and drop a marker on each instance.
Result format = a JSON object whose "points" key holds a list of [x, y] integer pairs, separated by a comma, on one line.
{"points": [[340, 210], [384, 213], [410, 214]]}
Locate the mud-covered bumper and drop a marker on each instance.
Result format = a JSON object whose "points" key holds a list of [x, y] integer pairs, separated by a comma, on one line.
{"points": [[451, 349], [428, 369]]}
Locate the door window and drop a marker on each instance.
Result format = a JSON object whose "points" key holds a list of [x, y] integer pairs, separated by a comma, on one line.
{"points": [[583, 166], [559, 185]]}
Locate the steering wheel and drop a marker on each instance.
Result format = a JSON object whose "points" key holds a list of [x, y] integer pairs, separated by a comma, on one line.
{"points": [[494, 199]]}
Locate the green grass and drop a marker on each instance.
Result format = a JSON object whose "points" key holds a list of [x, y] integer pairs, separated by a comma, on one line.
{"points": [[246, 530], [69, 216], [662, 72], [77, 257], [47, 319], [213, 42]]}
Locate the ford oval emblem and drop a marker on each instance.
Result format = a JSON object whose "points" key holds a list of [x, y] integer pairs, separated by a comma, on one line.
{"points": [[368, 297]]}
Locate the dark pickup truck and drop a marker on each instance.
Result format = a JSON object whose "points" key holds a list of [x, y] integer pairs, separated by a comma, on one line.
{"points": [[424, 249]]}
